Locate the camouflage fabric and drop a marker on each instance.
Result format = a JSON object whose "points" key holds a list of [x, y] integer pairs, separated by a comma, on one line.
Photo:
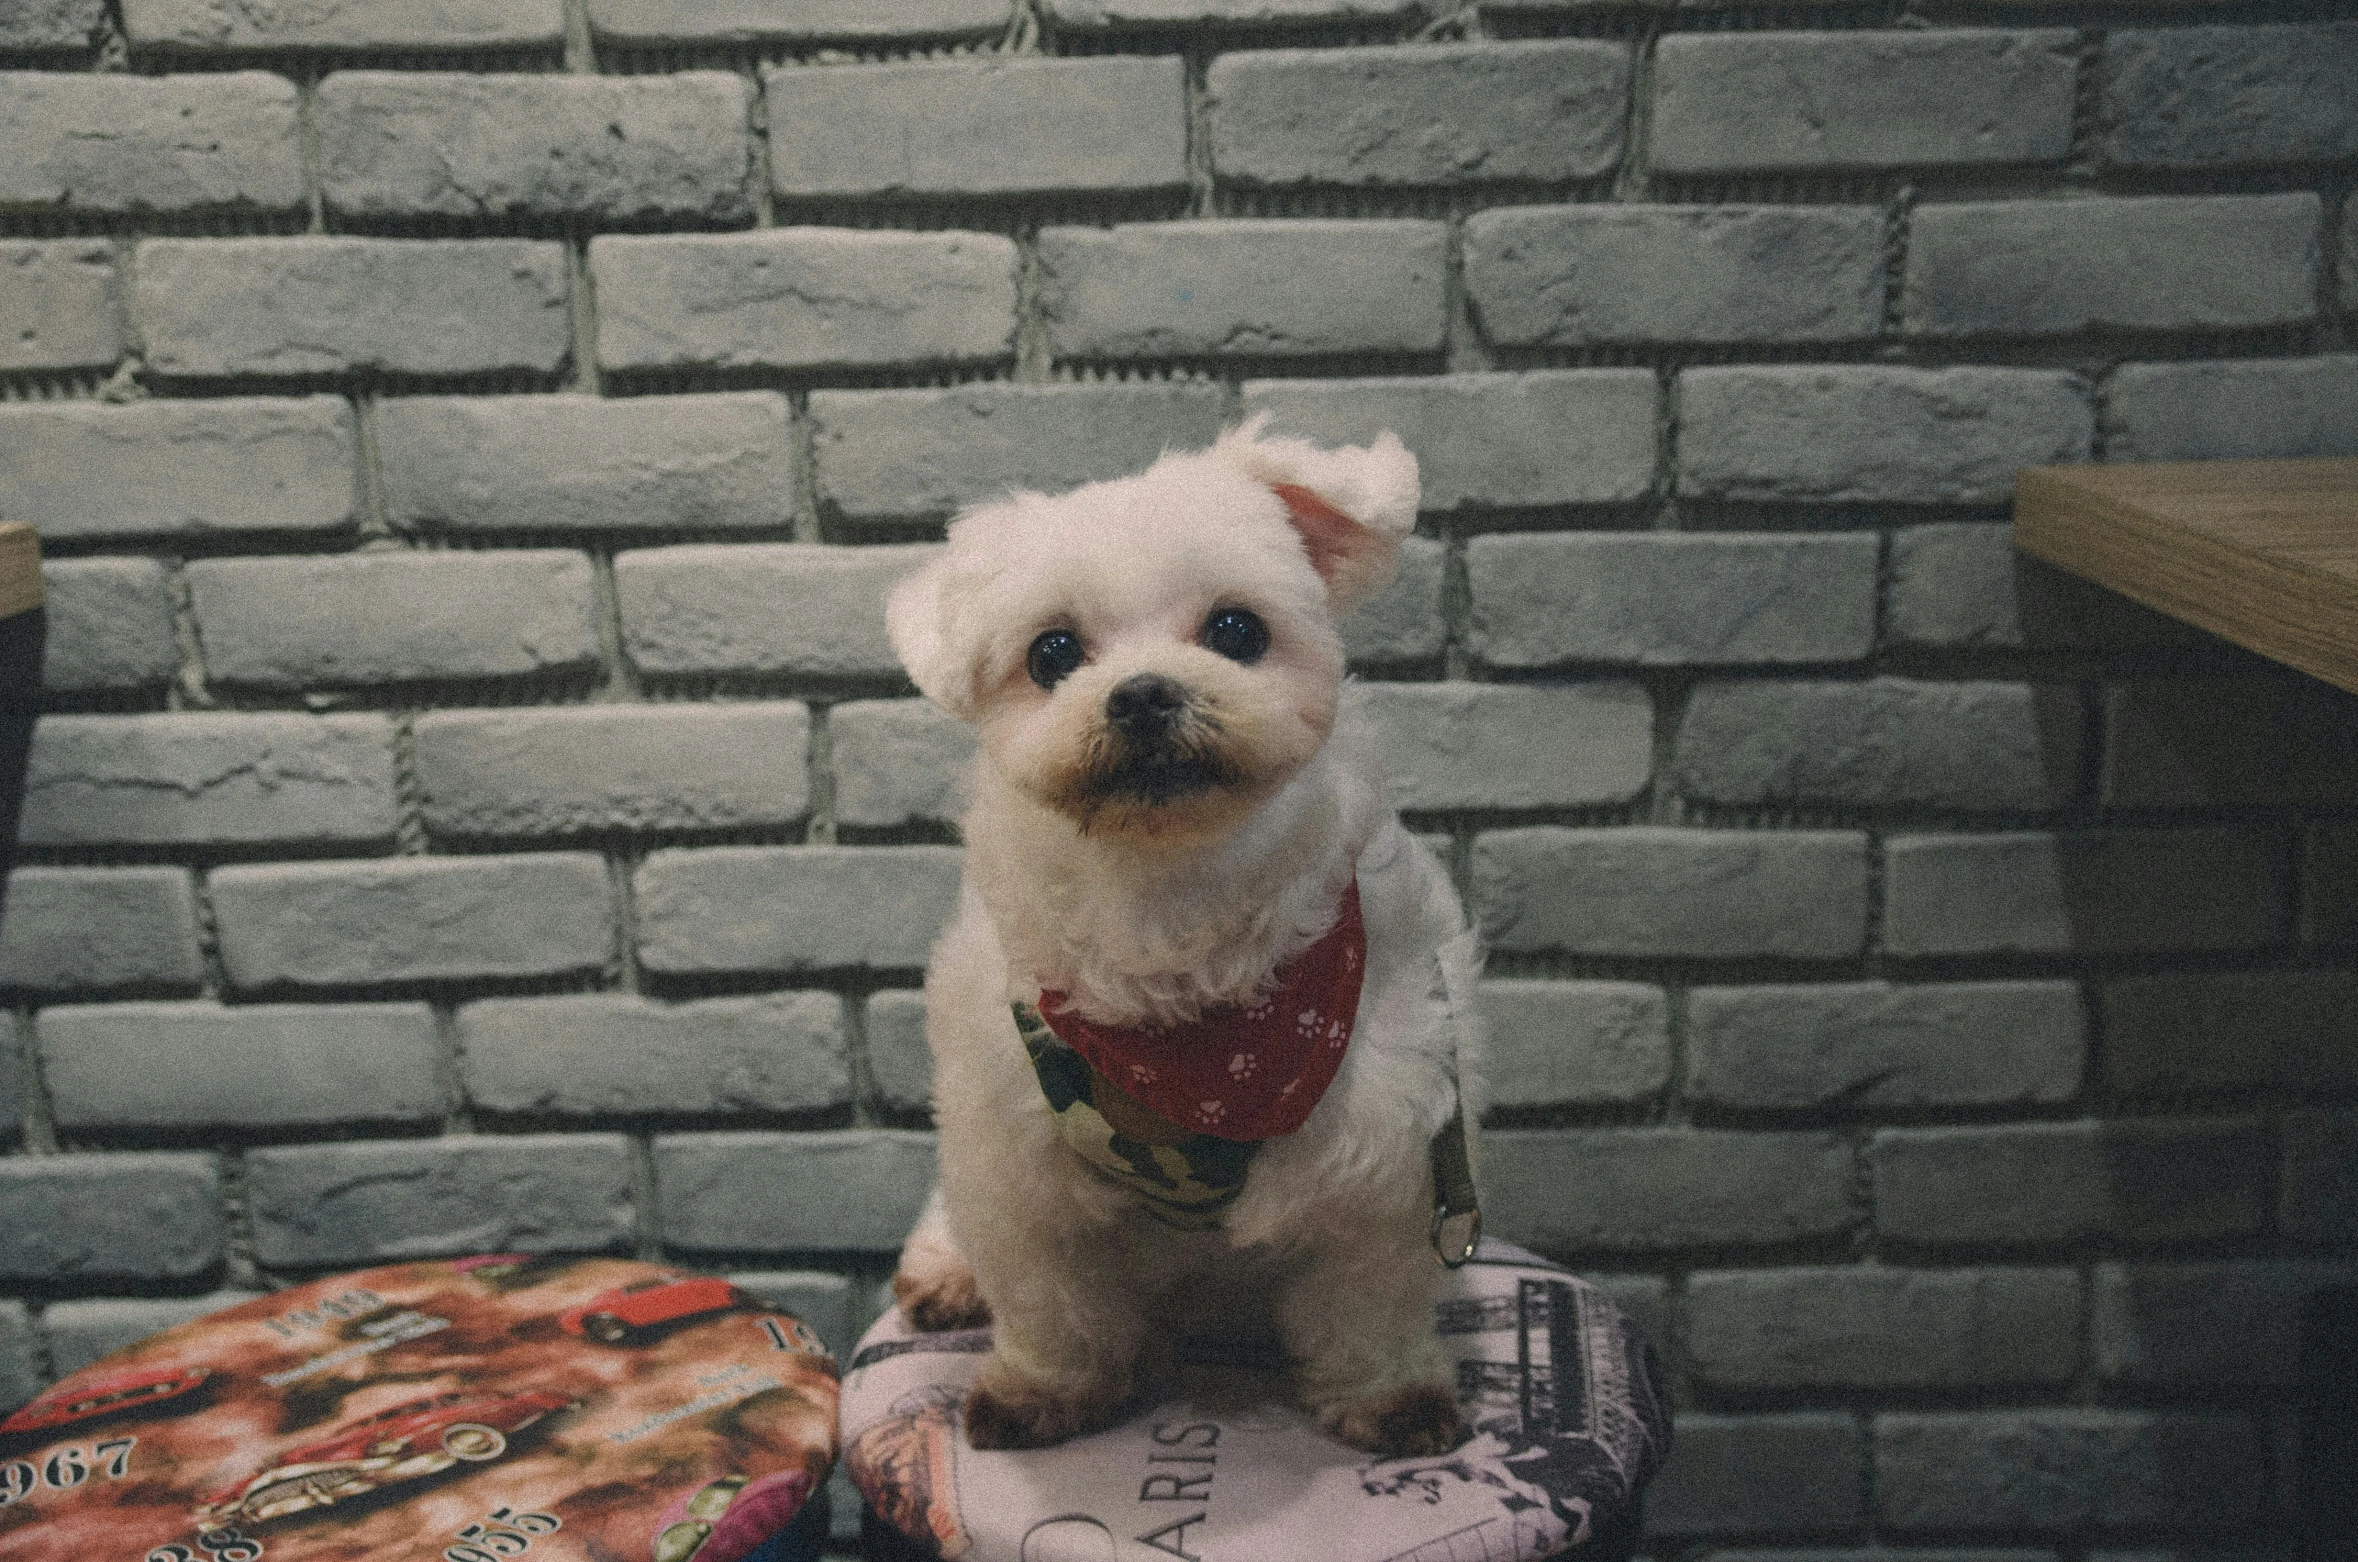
{"points": [[1186, 1180]]}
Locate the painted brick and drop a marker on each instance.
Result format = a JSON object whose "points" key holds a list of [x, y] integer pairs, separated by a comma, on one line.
{"points": [[110, 625], [119, 143], [412, 919], [58, 307], [2145, 263], [2139, 1180], [908, 455], [1884, 743], [1873, 433], [569, 770], [2064, 1470], [821, 1300], [1488, 441], [2246, 409], [81, 1332], [2205, 96], [2329, 885], [1869, 1046], [610, 1054], [615, 148], [2318, 1199], [1494, 746], [1656, 600], [1664, 1189], [728, 21], [1663, 892], [853, 1190], [175, 468], [209, 779], [2098, 892], [1235, 287], [2195, 742], [1575, 1043], [49, 26], [899, 1063], [798, 298], [1742, 102], [898, 762], [210, 308], [2180, 1326], [1803, 1473], [971, 127], [80, 1220], [100, 930], [1104, 14], [793, 908], [322, 1204], [578, 463], [1961, 584], [1570, 276], [1443, 114], [204, 25], [1779, 1329], [20, 1368], [257, 1066], [782, 608], [1403, 622], [375, 618]]}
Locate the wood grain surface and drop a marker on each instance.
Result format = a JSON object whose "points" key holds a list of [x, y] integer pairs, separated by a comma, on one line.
{"points": [[2263, 553]]}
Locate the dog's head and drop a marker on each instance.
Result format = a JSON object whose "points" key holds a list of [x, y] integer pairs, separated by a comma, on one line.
{"points": [[1154, 656]]}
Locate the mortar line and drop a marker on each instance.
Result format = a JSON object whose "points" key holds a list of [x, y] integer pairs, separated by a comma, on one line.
{"points": [[458, 1113], [757, 126], [582, 307], [804, 435], [376, 522], [186, 690], [645, 1225], [1202, 189], [1462, 346], [621, 684], [240, 1266], [821, 829], [213, 980], [1899, 215], [621, 866], [1034, 352], [581, 49], [1632, 182], [857, 1067], [307, 146], [37, 1126], [411, 837]]}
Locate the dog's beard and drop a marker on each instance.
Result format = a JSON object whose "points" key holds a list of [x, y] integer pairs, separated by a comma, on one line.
{"points": [[1131, 784]]}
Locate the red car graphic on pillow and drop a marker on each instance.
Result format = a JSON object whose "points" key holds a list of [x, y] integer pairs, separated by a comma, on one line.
{"points": [[79, 1401], [612, 1317], [419, 1438]]}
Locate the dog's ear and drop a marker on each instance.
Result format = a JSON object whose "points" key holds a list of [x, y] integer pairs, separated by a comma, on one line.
{"points": [[916, 617], [1349, 506]]}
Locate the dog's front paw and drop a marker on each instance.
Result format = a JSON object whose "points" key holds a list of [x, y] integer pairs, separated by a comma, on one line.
{"points": [[944, 1297], [1407, 1421], [1027, 1416]]}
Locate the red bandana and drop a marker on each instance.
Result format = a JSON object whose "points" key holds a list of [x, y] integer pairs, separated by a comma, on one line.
{"points": [[1239, 1073]]}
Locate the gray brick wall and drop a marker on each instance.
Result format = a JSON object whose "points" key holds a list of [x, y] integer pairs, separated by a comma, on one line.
{"points": [[476, 805]]}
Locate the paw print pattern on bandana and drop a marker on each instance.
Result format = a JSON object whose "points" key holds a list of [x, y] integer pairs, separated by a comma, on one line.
{"points": [[1245, 1073]]}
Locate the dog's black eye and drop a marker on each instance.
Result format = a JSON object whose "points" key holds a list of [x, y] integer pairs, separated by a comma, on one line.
{"points": [[1236, 634], [1053, 656]]}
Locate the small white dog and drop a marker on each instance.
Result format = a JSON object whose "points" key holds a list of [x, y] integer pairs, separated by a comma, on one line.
{"points": [[1200, 1027]]}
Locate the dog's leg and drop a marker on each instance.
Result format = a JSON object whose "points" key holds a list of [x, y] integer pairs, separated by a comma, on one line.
{"points": [[934, 1283], [1358, 1318]]}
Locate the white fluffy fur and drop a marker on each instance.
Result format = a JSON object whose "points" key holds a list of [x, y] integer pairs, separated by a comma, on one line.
{"points": [[1328, 1242]]}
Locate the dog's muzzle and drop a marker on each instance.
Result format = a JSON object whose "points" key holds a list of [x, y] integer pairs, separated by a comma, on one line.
{"points": [[1162, 745]]}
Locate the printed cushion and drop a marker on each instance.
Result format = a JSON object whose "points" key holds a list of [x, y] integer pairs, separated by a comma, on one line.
{"points": [[1563, 1393], [471, 1411]]}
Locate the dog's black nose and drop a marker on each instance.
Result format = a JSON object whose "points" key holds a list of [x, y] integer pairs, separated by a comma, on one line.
{"points": [[1144, 704]]}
